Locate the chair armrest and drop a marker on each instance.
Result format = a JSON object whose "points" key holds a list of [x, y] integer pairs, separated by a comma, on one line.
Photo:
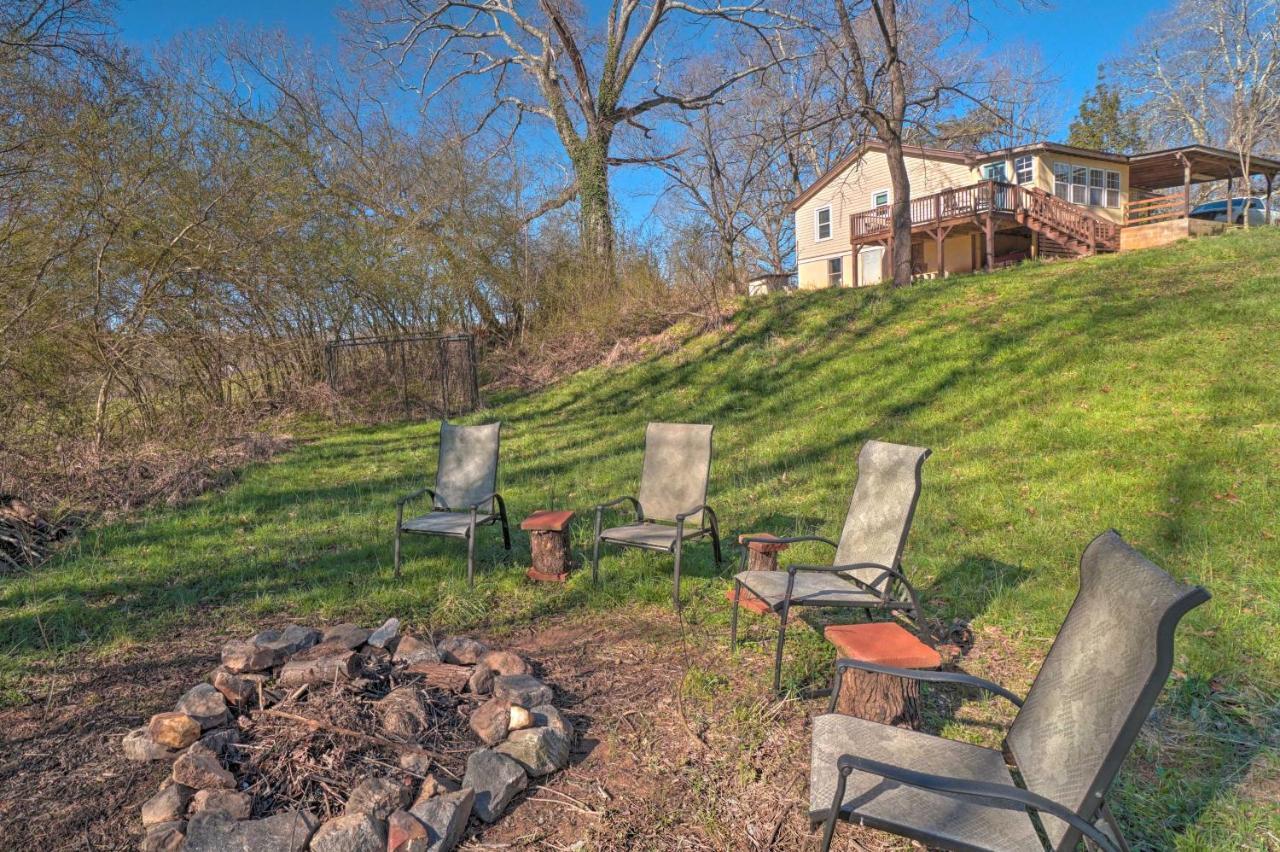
{"points": [[965, 788], [493, 495], [927, 675], [421, 491], [789, 540], [683, 516], [627, 499]]}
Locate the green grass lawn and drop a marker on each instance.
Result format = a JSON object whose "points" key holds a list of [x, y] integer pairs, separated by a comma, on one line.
{"points": [[1140, 392]]}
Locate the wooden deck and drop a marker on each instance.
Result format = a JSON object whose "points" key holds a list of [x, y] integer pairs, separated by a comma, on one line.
{"points": [[989, 205]]}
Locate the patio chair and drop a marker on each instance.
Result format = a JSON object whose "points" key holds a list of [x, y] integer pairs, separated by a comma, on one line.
{"points": [[671, 507], [464, 496], [867, 572], [1067, 742]]}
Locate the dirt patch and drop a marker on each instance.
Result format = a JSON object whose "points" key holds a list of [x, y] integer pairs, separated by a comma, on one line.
{"points": [[678, 746]]}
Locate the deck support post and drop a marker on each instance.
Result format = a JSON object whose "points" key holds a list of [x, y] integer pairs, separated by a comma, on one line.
{"points": [[990, 237], [1230, 218], [1267, 212], [940, 240]]}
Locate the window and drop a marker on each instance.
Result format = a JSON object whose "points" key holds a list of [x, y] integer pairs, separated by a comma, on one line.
{"points": [[1023, 169], [1079, 185], [822, 223], [1083, 185], [994, 171], [835, 272], [880, 199], [1097, 188], [1062, 181]]}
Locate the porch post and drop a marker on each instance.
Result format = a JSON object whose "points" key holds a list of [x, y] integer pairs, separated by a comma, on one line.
{"points": [[857, 261], [940, 241], [1229, 217], [1267, 212], [1186, 187]]}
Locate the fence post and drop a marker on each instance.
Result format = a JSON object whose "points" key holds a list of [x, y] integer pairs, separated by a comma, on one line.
{"points": [[444, 376]]}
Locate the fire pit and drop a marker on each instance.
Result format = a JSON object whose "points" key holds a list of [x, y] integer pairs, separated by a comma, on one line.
{"points": [[351, 739]]}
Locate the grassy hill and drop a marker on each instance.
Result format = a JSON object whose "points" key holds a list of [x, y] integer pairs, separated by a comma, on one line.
{"points": [[1140, 392]]}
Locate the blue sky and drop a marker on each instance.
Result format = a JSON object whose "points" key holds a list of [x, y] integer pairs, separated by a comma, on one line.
{"points": [[1072, 38]]}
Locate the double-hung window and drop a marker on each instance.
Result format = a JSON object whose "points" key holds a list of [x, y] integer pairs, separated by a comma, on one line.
{"points": [[835, 272], [822, 223], [1023, 169]]}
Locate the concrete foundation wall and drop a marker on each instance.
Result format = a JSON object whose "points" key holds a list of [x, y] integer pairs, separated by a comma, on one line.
{"points": [[1163, 233]]}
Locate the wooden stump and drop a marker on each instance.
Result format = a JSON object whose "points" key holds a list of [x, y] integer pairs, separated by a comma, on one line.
{"points": [[549, 544], [551, 552], [880, 698], [761, 560]]}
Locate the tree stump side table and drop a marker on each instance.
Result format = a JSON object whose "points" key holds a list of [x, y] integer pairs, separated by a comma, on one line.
{"points": [[878, 697], [549, 545], [761, 556]]}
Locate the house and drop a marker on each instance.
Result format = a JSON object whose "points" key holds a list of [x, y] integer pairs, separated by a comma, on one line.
{"points": [[975, 210]]}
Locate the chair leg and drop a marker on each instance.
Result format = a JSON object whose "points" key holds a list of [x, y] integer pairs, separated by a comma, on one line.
{"points": [[675, 583], [1112, 829], [715, 544], [837, 802], [595, 553], [782, 638], [733, 619], [506, 532], [471, 557], [395, 552], [395, 558]]}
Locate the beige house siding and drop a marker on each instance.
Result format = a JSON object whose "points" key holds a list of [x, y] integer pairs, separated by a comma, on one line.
{"points": [[851, 192], [1044, 180]]}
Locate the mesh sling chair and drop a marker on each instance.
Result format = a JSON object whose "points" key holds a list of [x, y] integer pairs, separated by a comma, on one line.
{"points": [[671, 507], [1096, 687], [867, 572], [464, 496]]}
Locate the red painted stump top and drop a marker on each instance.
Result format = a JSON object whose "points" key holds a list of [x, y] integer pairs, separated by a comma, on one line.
{"points": [[883, 643], [547, 520], [763, 546]]}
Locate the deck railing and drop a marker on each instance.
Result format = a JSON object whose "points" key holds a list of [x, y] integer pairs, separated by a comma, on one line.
{"points": [[1161, 208], [986, 196]]}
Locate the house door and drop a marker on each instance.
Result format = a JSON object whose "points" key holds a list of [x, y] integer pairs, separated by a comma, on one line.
{"points": [[871, 264]]}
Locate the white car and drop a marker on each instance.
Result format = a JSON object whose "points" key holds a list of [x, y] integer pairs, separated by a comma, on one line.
{"points": [[1216, 211]]}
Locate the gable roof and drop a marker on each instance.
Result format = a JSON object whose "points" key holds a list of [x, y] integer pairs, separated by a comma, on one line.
{"points": [[841, 165], [969, 158]]}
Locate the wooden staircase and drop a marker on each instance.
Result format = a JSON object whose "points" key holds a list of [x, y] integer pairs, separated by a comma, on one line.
{"points": [[1064, 230]]}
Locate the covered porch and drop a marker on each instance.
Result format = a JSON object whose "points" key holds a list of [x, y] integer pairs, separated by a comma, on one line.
{"points": [[1154, 215]]}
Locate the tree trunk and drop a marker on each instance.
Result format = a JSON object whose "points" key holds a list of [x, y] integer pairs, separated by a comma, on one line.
{"points": [[591, 169], [900, 213]]}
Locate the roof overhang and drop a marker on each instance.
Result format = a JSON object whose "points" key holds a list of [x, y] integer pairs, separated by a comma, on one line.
{"points": [[1167, 168]]}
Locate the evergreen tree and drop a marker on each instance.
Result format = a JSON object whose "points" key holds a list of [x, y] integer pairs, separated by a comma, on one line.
{"points": [[1104, 124]]}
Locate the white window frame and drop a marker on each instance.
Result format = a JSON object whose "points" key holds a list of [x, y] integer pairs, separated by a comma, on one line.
{"points": [[817, 224], [888, 196], [1087, 186], [1018, 163], [835, 278]]}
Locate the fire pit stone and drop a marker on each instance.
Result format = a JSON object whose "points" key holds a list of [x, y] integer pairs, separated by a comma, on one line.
{"points": [[303, 739]]}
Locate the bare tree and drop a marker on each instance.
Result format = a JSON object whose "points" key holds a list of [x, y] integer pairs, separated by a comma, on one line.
{"points": [[544, 60], [1208, 71]]}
